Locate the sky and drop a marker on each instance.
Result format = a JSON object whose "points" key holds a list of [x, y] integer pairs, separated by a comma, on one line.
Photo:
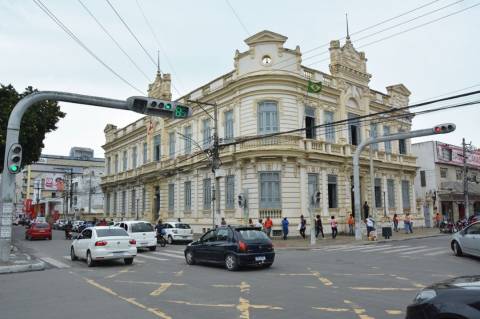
{"points": [[197, 41]]}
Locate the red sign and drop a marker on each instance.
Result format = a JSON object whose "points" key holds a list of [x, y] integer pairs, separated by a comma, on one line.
{"points": [[451, 154]]}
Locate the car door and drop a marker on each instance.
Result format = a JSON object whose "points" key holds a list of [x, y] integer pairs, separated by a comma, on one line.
{"points": [[218, 247], [83, 242], [202, 249], [471, 239]]}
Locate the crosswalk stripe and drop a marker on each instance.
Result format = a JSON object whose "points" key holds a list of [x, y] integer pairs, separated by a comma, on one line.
{"points": [[403, 249], [366, 248], [443, 251], [55, 262], [333, 247], [174, 251], [169, 255], [382, 248], [416, 251], [151, 257]]}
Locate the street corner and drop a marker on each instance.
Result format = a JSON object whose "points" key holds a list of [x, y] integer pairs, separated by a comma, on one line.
{"points": [[21, 262]]}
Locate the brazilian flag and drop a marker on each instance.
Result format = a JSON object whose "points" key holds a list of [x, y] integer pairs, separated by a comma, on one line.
{"points": [[314, 87]]}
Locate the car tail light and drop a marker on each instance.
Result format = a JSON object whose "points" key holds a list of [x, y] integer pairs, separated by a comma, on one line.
{"points": [[242, 247], [132, 242], [101, 243]]}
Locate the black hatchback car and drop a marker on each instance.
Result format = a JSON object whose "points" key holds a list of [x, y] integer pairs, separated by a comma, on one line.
{"points": [[232, 246], [457, 298]]}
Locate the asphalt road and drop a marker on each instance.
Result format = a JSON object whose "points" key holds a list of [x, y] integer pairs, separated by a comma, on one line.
{"points": [[347, 281]]}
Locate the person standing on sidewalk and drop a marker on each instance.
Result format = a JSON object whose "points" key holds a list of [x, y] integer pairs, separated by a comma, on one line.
{"points": [[285, 228], [333, 224], [223, 222], [407, 223], [268, 226], [259, 224], [395, 222], [366, 210], [302, 226], [318, 227], [351, 223]]}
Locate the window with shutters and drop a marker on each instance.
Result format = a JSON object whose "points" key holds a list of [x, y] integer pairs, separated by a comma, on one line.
{"points": [[423, 179], [116, 163], [312, 187], [228, 125], [171, 197], [109, 160], [353, 129], [267, 117], [378, 192], [207, 193], [391, 193], [145, 152], [115, 203], [171, 144], [206, 133], [230, 192], [134, 157], [187, 195], [332, 191], [270, 196], [125, 161], [310, 129], [374, 133], [443, 172], [329, 129], [187, 131], [406, 194], [133, 202], [156, 148], [124, 202], [388, 144]]}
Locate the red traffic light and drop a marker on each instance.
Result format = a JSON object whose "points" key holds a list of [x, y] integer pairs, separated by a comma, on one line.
{"points": [[438, 129], [444, 128]]}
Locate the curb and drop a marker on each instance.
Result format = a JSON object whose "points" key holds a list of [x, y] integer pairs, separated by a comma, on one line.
{"points": [[363, 242], [22, 268]]}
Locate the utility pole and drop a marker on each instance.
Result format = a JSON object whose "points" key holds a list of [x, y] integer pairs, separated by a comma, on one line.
{"points": [[466, 148], [372, 183], [90, 193], [213, 206], [38, 188]]}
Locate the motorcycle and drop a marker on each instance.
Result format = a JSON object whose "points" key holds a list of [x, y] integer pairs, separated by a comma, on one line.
{"points": [[68, 234], [461, 224], [447, 227]]}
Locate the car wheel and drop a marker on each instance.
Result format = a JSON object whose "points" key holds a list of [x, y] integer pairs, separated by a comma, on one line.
{"points": [[231, 262], [90, 262], [73, 257], [128, 261], [189, 258], [152, 248], [456, 249], [170, 240]]}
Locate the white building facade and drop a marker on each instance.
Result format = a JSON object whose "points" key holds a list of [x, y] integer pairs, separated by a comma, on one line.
{"points": [[160, 168]]}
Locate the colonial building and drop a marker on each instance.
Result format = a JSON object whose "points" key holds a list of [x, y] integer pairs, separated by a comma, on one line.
{"points": [[163, 162], [44, 187], [439, 182]]}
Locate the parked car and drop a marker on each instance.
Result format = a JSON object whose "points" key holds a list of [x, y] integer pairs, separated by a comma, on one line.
{"points": [[142, 232], [103, 243], [453, 298], [38, 231], [467, 241], [177, 231], [232, 246]]}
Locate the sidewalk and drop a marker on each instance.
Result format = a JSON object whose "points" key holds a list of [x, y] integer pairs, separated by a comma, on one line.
{"points": [[20, 262], [298, 243]]}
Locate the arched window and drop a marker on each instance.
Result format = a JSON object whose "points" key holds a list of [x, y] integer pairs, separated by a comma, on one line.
{"points": [[267, 117]]}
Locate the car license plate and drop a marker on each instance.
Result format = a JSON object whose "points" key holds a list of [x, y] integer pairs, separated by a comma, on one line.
{"points": [[260, 258], [144, 243], [115, 253]]}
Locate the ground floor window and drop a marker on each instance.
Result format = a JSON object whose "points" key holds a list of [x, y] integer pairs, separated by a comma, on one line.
{"points": [[270, 196], [332, 191]]}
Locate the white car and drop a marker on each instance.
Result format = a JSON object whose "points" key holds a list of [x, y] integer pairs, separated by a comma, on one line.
{"points": [[103, 243], [177, 231], [467, 241], [142, 231]]}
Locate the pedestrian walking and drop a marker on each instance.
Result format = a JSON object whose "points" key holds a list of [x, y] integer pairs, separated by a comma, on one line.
{"points": [[268, 226], [302, 226], [407, 223], [318, 227], [351, 223], [259, 224], [250, 222], [395, 222], [438, 219], [366, 210], [370, 225], [333, 224], [223, 222], [285, 228]]}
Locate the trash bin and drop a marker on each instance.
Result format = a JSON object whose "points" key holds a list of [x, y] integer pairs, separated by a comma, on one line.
{"points": [[387, 232]]}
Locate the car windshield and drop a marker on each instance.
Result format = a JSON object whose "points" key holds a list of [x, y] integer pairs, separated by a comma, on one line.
{"points": [[43, 225], [182, 226], [251, 235], [112, 232], [141, 227]]}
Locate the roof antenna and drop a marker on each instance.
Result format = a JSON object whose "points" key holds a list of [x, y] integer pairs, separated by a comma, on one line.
{"points": [[346, 18], [158, 62]]}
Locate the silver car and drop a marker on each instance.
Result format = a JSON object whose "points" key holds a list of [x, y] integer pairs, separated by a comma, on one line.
{"points": [[467, 241]]}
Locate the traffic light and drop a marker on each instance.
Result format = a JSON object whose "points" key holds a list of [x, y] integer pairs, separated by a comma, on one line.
{"points": [[156, 107], [14, 159], [444, 128], [242, 200]]}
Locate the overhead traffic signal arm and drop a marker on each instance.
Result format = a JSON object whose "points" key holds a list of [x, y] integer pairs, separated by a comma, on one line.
{"points": [[157, 107]]}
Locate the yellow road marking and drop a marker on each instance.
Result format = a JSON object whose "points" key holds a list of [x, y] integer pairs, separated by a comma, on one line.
{"points": [[323, 280], [394, 312], [181, 302], [337, 274], [332, 309], [309, 274], [360, 312], [178, 274], [383, 289], [375, 274], [244, 287], [163, 286], [310, 287], [97, 285], [119, 273]]}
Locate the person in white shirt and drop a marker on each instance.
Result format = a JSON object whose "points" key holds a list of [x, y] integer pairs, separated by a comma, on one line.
{"points": [[370, 225]]}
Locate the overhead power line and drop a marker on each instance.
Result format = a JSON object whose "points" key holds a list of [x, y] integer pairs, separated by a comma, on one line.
{"points": [[52, 16], [238, 17], [113, 39]]}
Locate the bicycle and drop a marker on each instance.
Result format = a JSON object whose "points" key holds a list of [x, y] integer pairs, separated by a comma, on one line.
{"points": [[161, 240]]}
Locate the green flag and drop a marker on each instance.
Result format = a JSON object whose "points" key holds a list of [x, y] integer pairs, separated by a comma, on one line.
{"points": [[314, 87]]}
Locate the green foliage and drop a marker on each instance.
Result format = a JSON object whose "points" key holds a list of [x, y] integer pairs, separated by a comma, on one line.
{"points": [[40, 119]]}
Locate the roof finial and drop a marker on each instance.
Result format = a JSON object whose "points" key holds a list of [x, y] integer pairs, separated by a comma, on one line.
{"points": [[158, 61], [346, 18]]}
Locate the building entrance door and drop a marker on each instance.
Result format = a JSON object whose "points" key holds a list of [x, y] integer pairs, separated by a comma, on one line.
{"points": [[426, 215]]}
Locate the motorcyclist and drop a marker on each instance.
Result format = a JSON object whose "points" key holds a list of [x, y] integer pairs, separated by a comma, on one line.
{"points": [[68, 230]]}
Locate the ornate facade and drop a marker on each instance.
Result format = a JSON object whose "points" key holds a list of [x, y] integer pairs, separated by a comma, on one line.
{"points": [[163, 163]]}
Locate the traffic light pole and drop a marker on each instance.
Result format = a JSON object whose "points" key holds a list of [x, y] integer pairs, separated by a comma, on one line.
{"points": [[13, 132], [439, 129]]}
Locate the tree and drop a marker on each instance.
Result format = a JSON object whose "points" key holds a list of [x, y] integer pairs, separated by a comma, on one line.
{"points": [[41, 118]]}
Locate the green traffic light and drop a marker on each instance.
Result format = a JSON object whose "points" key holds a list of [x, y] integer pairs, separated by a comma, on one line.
{"points": [[168, 106], [13, 168]]}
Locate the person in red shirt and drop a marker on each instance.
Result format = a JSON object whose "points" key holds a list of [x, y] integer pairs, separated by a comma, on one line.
{"points": [[268, 226]]}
